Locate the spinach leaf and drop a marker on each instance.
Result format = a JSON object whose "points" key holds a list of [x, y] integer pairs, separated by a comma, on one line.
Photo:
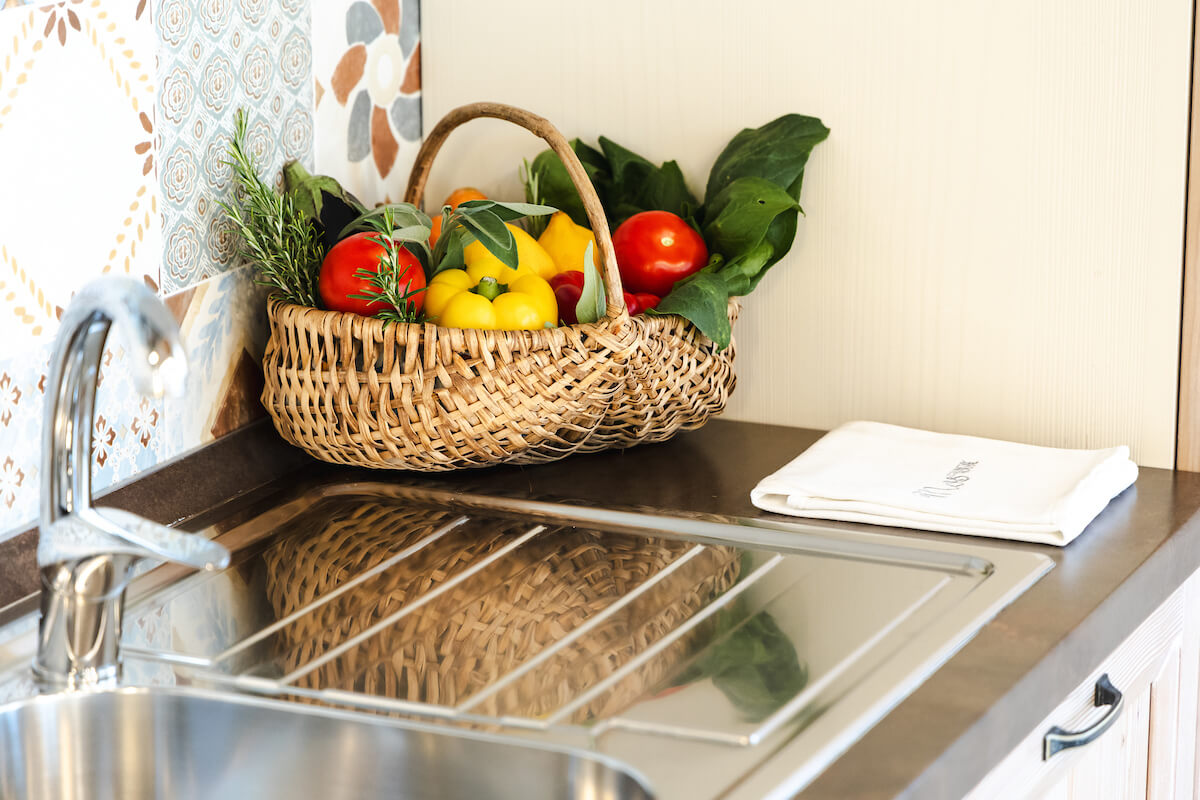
{"points": [[555, 187], [738, 218], [625, 182], [638, 185], [702, 300], [778, 152]]}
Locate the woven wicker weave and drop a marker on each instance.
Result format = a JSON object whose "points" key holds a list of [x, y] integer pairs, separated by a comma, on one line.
{"points": [[350, 390], [488, 625]]}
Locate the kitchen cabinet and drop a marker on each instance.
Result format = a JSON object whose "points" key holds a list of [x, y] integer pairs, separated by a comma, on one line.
{"points": [[1149, 751]]}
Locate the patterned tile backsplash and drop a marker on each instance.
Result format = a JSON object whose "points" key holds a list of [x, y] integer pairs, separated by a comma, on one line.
{"points": [[114, 118], [216, 56]]}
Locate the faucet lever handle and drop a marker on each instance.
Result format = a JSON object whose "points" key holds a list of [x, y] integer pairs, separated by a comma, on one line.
{"points": [[98, 531]]}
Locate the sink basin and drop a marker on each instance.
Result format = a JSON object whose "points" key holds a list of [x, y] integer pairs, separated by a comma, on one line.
{"points": [[137, 744]]}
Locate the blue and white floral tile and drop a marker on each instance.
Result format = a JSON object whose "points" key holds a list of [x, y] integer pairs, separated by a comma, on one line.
{"points": [[128, 436], [367, 68], [215, 57], [76, 100]]}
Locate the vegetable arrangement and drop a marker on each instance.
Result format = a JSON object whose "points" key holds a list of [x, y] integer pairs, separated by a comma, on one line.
{"points": [[470, 266]]}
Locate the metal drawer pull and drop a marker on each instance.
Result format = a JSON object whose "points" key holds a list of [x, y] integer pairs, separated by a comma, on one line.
{"points": [[1106, 695]]}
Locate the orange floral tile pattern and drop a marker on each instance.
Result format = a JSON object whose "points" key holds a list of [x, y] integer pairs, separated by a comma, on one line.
{"points": [[367, 65]]}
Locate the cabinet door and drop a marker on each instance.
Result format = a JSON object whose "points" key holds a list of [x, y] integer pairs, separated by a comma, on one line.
{"points": [[1148, 752]]}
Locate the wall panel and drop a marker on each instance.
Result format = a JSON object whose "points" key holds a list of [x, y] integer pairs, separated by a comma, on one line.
{"points": [[994, 233]]}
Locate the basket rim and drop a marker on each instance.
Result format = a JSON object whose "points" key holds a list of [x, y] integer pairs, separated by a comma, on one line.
{"points": [[276, 304], [374, 325]]}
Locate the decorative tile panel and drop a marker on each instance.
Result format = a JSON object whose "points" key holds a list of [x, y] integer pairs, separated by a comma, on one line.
{"points": [[114, 119], [128, 436], [367, 66], [80, 199], [215, 57]]}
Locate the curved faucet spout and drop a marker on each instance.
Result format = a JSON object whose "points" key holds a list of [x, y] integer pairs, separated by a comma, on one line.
{"points": [[86, 554], [151, 340]]}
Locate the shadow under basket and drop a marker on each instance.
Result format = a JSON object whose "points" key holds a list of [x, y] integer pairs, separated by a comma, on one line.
{"points": [[356, 390]]}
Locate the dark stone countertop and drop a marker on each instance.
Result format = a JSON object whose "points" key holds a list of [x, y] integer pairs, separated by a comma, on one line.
{"points": [[941, 740]]}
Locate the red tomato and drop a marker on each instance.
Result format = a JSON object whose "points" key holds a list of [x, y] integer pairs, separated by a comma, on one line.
{"points": [[655, 249], [338, 280], [568, 287], [646, 300], [631, 304]]}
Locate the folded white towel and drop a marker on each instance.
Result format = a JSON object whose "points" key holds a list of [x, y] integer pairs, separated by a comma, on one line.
{"points": [[888, 475]]}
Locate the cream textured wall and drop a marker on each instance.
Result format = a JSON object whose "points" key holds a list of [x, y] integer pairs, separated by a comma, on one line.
{"points": [[994, 232]]}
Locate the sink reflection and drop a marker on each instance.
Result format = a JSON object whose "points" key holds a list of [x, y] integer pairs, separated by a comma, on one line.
{"points": [[144, 744]]}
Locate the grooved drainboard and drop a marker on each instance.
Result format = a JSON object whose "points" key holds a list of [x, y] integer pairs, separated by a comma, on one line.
{"points": [[692, 648]]}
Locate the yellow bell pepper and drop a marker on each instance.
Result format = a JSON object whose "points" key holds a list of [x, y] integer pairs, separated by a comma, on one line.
{"points": [[566, 242], [490, 298]]}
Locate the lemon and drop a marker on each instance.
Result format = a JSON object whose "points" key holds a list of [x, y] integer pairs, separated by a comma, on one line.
{"points": [[530, 255], [566, 242]]}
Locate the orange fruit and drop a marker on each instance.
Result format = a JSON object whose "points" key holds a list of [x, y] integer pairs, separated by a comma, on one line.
{"points": [[457, 197]]}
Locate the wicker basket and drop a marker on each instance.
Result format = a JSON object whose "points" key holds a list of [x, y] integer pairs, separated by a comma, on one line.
{"points": [[350, 390], [487, 626]]}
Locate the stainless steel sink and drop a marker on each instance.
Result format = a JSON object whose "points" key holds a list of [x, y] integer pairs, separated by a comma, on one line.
{"points": [[137, 744], [719, 658]]}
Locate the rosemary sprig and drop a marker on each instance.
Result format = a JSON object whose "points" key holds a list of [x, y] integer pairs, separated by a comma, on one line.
{"points": [[283, 246], [384, 283]]}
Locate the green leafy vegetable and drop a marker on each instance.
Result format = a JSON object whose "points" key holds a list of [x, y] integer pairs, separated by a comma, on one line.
{"points": [[637, 185], [701, 299], [737, 219], [778, 152], [592, 301], [322, 200], [626, 183], [555, 186], [749, 217]]}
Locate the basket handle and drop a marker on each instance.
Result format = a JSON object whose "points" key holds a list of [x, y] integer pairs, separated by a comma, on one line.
{"points": [[539, 126]]}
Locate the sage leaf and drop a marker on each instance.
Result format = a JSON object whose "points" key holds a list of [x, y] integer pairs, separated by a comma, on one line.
{"points": [[450, 246], [509, 211], [592, 301], [738, 218], [777, 151], [491, 232], [402, 215], [702, 299]]}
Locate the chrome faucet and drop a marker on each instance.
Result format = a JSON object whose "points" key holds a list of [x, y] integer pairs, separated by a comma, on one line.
{"points": [[86, 554]]}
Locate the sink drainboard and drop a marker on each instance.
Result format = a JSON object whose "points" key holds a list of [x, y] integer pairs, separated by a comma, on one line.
{"points": [[680, 644]]}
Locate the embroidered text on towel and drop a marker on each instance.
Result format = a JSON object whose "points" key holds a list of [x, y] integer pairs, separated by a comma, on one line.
{"points": [[955, 479]]}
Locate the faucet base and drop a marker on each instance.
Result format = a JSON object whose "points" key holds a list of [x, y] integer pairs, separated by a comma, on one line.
{"points": [[80, 628]]}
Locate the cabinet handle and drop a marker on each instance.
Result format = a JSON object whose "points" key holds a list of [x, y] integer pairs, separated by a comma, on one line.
{"points": [[1106, 695]]}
